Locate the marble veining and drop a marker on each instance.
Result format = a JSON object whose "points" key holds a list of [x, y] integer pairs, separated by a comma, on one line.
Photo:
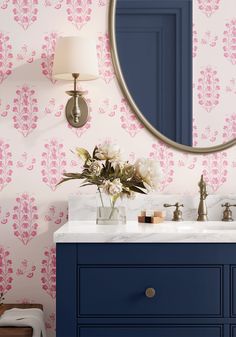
{"points": [[83, 207], [168, 231]]}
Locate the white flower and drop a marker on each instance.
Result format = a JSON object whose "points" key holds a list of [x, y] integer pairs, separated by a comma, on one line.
{"points": [[95, 168], [108, 151], [148, 171], [128, 169], [113, 187]]}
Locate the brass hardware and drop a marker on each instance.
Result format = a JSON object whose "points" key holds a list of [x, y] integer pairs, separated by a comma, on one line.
{"points": [[150, 292], [227, 214], [134, 107], [202, 208], [177, 214], [76, 108]]}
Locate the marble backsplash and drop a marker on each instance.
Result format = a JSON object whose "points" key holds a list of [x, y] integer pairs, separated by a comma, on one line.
{"points": [[83, 207]]}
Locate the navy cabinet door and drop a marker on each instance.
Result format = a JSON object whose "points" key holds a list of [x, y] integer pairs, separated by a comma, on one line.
{"points": [[160, 331], [182, 291], [154, 41], [233, 291]]}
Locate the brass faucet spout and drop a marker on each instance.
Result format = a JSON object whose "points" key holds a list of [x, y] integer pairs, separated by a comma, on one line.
{"points": [[202, 208]]}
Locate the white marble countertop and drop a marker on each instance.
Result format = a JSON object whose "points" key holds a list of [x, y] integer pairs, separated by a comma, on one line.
{"points": [[168, 231]]}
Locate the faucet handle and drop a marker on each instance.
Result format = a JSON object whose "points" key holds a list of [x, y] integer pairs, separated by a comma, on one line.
{"points": [[177, 214], [227, 214]]}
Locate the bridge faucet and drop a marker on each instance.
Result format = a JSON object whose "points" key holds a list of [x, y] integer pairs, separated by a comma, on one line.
{"points": [[202, 208]]}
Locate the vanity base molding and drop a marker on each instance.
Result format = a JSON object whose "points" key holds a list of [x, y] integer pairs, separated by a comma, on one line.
{"points": [[146, 290]]}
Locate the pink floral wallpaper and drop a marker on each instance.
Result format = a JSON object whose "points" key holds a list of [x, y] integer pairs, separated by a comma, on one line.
{"points": [[36, 142]]}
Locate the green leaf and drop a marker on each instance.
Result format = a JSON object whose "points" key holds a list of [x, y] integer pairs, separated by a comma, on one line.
{"points": [[137, 190], [83, 154], [86, 184], [64, 180], [140, 184], [73, 175], [94, 152]]}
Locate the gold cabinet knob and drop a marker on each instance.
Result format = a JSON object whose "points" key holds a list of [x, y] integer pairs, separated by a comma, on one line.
{"points": [[150, 292]]}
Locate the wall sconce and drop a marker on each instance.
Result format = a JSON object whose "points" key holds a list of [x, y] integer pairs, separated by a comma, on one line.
{"points": [[75, 59]]}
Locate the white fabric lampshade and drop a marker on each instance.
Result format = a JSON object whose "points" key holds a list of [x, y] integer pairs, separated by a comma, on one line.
{"points": [[74, 54]]}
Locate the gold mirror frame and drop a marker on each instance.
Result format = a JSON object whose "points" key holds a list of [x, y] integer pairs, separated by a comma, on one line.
{"points": [[134, 107]]}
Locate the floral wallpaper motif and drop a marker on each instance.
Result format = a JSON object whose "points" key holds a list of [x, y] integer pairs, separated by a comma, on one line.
{"points": [[25, 12], [229, 41], [25, 110], [129, 121], [208, 88], [79, 12], [104, 58], [215, 169], [5, 164], [208, 7], [53, 163], [25, 216], [48, 272], [37, 145], [25, 269], [6, 270], [48, 49], [5, 56], [164, 155]]}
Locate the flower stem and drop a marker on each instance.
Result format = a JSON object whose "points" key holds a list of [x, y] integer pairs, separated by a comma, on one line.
{"points": [[112, 208], [112, 211], [100, 194]]}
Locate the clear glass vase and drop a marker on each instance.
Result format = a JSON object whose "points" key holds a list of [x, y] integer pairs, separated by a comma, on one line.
{"points": [[108, 214]]}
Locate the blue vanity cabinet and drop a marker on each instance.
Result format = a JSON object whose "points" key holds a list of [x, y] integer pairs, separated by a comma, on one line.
{"points": [[152, 331], [102, 290], [233, 291], [182, 291], [233, 331]]}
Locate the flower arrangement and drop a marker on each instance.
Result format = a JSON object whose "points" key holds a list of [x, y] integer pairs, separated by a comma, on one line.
{"points": [[113, 176]]}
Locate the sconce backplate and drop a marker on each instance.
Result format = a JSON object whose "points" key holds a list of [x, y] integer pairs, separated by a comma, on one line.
{"points": [[84, 113]]}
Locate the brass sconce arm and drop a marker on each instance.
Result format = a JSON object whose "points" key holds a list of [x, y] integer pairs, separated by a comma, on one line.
{"points": [[76, 108]]}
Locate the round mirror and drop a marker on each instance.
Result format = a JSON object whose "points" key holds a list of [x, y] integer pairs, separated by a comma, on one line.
{"points": [[152, 52]]}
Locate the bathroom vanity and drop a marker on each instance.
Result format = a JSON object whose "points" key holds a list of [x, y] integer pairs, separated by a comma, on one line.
{"points": [[166, 280]]}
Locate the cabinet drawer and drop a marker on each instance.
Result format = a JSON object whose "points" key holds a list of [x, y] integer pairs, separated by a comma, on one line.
{"points": [[160, 331], [179, 291]]}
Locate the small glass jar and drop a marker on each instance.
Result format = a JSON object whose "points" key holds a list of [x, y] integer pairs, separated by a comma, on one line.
{"points": [[108, 214]]}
